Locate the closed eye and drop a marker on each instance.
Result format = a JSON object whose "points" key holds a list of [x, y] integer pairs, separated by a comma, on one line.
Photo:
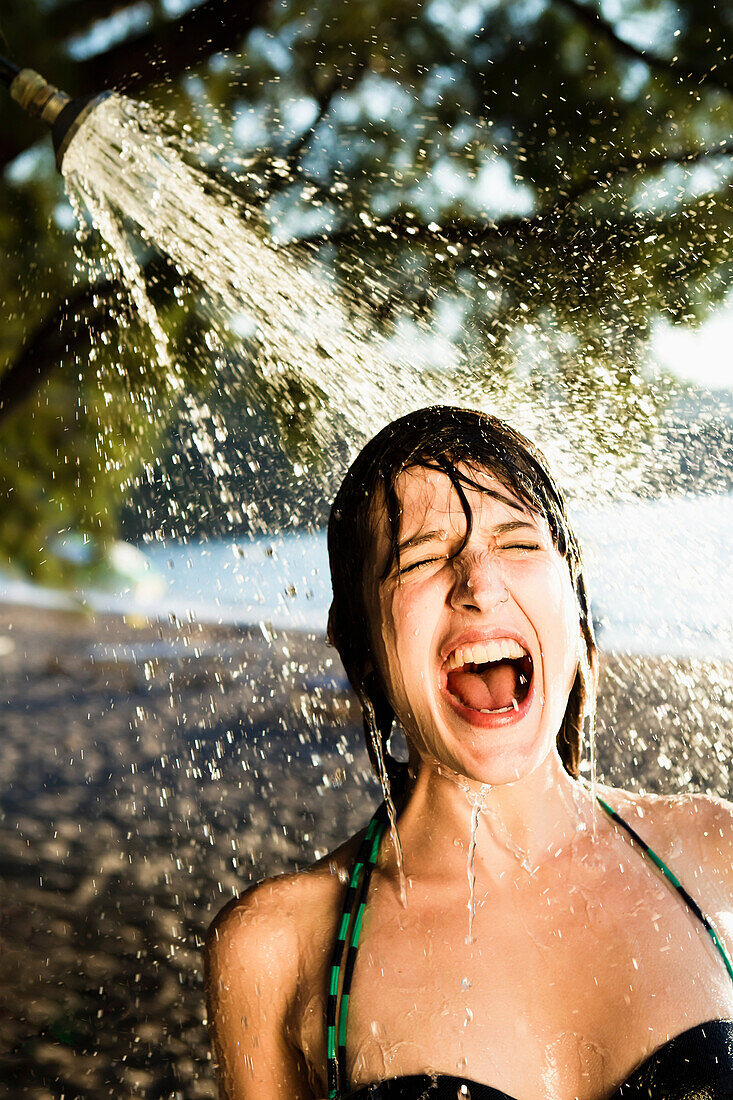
{"points": [[418, 564], [521, 546]]}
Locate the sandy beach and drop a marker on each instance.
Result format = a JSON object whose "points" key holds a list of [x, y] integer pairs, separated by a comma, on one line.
{"points": [[151, 771]]}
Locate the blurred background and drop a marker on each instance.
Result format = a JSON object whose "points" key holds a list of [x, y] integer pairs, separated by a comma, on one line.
{"points": [[524, 206]]}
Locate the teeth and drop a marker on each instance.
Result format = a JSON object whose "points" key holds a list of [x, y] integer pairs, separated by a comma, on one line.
{"points": [[514, 705], [498, 649]]}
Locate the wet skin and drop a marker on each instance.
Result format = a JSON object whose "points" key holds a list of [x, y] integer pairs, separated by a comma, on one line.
{"points": [[508, 580], [580, 961]]}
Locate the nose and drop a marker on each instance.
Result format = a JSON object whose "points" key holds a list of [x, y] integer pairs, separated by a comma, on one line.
{"points": [[478, 583]]}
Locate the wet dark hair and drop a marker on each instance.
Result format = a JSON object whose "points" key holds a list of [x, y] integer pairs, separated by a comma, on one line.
{"points": [[440, 438]]}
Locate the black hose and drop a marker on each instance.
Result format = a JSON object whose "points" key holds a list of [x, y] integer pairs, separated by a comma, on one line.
{"points": [[8, 71]]}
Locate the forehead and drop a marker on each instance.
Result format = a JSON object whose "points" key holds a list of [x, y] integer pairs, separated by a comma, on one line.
{"points": [[425, 494]]}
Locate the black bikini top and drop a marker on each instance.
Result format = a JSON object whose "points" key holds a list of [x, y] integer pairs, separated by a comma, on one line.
{"points": [[695, 1065]]}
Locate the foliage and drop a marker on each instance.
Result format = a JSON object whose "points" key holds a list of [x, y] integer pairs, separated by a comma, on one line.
{"points": [[548, 180]]}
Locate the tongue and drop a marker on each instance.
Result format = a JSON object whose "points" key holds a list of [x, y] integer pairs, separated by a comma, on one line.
{"points": [[492, 689]]}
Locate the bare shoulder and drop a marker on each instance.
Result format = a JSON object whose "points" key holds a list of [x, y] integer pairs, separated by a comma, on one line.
{"points": [[265, 958], [264, 919], [694, 832], [270, 923]]}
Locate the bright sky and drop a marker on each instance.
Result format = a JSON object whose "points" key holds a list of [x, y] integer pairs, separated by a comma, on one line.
{"points": [[703, 355]]}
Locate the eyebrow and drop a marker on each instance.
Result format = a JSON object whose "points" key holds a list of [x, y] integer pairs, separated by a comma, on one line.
{"points": [[429, 536], [514, 525], [419, 539]]}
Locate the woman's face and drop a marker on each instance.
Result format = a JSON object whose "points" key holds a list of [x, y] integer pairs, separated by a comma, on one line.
{"points": [[477, 649]]}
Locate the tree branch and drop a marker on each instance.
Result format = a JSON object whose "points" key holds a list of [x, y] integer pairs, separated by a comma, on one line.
{"points": [[593, 19], [324, 100], [79, 15], [609, 172], [472, 233], [293, 155], [461, 232], [166, 51], [43, 352]]}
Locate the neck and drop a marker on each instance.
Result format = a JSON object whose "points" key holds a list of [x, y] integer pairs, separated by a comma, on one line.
{"points": [[511, 826]]}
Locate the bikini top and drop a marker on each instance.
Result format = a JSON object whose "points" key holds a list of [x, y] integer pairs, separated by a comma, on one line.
{"points": [[695, 1065]]}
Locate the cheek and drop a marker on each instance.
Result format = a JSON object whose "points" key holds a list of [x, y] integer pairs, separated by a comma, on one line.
{"points": [[563, 603], [406, 612], [405, 635], [565, 627], [548, 598]]}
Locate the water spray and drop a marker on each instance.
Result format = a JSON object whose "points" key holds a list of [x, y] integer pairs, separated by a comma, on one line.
{"points": [[39, 98]]}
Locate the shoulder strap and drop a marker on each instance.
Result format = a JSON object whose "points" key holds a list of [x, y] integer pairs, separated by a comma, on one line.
{"points": [[344, 952], [672, 878]]}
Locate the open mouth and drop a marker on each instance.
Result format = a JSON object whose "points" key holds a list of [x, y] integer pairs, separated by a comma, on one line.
{"points": [[492, 677]]}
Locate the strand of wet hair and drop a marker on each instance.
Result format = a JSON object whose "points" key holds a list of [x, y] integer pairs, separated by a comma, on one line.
{"points": [[384, 779]]}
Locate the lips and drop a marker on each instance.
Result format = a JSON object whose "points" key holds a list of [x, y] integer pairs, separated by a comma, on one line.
{"points": [[488, 680]]}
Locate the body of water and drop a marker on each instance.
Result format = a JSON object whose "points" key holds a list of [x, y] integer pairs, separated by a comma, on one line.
{"points": [[660, 575]]}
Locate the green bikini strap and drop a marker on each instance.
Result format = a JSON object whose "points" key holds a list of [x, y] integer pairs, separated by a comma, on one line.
{"points": [[344, 954], [675, 882]]}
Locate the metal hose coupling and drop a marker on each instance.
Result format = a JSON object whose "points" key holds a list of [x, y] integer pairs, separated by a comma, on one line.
{"points": [[62, 113], [36, 96]]}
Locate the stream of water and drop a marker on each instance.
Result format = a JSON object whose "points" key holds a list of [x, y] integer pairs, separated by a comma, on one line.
{"points": [[657, 569], [276, 319]]}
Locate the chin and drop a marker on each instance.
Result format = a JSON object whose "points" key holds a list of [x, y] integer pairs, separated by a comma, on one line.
{"points": [[500, 769], [495, 760]]}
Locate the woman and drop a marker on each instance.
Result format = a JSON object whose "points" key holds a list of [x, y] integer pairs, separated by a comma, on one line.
{"points": [[512, 936]]}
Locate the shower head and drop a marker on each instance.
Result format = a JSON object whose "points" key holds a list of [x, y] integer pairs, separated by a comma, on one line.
{"points": [[36, 96]]}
